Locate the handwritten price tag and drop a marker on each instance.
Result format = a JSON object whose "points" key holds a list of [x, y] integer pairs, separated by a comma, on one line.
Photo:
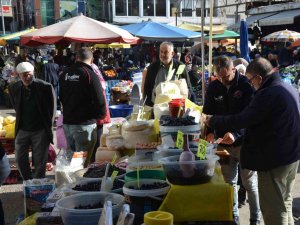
{"points": [[179, 141], [201, 153], [114, 175]]}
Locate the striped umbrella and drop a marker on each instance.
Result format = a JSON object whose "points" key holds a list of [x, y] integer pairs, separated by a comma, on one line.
{"points": [[282, 36]]}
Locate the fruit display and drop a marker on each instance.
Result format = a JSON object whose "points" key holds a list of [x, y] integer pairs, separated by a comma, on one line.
{"points": [[155, 185], [7, 126], [90, 206], [110, 73], [96, 186], [166, 120], [100, 171]]}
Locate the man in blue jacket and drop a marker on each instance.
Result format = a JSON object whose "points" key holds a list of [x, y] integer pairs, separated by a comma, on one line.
{"points": [[271, 144], [228, 95]]}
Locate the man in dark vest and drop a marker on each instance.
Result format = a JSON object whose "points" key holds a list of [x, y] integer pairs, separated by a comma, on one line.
{"points": [[158, 72]]}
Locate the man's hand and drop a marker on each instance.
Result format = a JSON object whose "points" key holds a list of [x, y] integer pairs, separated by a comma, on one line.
{"points": [[210, 138], [228, 139]]}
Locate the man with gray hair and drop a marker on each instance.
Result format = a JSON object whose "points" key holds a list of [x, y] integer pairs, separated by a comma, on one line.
{"points": [[35, 106], [83, 103], [271, 145], [160, 71], [230, 94]]}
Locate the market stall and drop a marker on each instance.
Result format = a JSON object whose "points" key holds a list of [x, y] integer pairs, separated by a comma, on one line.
{"points": [[142, 165]]}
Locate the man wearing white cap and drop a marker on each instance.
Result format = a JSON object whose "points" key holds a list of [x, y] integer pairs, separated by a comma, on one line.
{"points": [[34, 103]]}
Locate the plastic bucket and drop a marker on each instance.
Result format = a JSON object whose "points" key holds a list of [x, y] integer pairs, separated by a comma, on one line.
{"points": [[145, 174], [143, 201], [71, 216], [120, 110]]}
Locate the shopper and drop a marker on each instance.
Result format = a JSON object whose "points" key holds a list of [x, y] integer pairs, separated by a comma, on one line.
{"points": [[34, 103], [83, 103], [50, 73], [159, 70], [227, 95], [271, 144]]}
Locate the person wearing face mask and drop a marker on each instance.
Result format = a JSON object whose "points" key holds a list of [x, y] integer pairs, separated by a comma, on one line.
{"points": [[35, 106], [158, 72], [230, 94], [271, 143]]}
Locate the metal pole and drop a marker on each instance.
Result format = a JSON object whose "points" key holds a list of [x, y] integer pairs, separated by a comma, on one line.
{"points": [[3, 25], [203, 50]]}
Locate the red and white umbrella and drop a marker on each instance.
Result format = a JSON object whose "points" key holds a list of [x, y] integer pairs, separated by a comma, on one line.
{"points": [[78, 29], [282, 36]]}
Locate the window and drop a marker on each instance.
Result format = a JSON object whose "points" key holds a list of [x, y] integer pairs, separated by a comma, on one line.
{"points": [[174, 5], [198, 9], [187, 8], [160, 7], [133, 8], [121, 8], [148, 8]]}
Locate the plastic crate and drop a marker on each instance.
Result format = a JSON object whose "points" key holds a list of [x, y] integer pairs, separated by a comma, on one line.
{"points": [[120, 110]]}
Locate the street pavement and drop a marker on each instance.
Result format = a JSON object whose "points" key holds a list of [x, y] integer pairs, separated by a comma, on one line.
{"points": [[13, 202]]}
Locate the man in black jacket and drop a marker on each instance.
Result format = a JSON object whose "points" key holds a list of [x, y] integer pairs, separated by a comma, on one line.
{"points": [[227, 95], [83, 103], [271, 144], [34, 103], [50, 73], [158, 72]]}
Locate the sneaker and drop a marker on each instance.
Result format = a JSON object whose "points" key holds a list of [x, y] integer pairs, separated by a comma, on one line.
{"points": [[254, 222]]}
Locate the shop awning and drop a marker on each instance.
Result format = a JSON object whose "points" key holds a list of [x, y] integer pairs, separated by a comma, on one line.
{"points": [[216, 29], [251, 20], [14, 36], [285, 17]]}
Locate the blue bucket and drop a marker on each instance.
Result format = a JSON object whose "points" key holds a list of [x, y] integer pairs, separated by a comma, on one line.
{"points": [[120, 110]]}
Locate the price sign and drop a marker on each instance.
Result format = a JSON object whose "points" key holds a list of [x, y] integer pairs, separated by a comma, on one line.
{"points": [[201, 153], [114, 175], [114, 159], [179, 141]]}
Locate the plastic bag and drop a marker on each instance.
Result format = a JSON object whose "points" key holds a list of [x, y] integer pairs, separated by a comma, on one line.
{"points": [[64, 174]]}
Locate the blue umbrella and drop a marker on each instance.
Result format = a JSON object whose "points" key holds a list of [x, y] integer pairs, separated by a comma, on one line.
{"points": [[244, 40], [154, 31]]}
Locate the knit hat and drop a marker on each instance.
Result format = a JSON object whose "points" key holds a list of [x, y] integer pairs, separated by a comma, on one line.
{"points": [[24, 67]]}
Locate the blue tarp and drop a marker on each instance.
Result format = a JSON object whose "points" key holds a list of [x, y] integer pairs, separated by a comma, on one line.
{"points": [[154, 31]]}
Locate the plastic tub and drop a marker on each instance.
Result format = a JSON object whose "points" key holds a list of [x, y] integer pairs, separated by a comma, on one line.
{"points": [[120, 110], [145, 174], [189, 172], [71, 216], [143, 201], [167, 152]]}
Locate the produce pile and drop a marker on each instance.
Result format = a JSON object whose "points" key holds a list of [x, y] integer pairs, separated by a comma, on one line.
{"points": [[289, 73], [7, 126]]}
